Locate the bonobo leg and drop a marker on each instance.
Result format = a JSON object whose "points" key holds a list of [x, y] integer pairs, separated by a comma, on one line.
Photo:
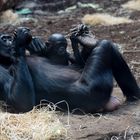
{"points": [[96, 82], [22, 90], [78, 58], [95, 85], [17, 90], [122, 73]]}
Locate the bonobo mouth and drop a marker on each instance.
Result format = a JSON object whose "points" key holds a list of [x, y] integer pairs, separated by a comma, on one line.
{"points": [[61, 51]]}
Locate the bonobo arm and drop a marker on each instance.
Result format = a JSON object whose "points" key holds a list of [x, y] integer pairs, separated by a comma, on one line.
{"points": [[21, 91], [71, 58], [78, 58], [38, 47]]}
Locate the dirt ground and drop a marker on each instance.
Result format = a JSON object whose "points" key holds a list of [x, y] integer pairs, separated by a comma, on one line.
{"points": [[123, 124]]}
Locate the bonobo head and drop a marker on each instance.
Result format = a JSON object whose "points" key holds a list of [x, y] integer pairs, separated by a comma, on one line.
{"points": [[5, 45], [57, 44], [22, 36], [7, 39]]}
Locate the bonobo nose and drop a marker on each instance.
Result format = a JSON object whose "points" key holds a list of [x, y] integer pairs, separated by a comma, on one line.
{"points": [[61, 51]]}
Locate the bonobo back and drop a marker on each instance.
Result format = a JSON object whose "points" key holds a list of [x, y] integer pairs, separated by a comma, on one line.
{"points": [[50, 80]]}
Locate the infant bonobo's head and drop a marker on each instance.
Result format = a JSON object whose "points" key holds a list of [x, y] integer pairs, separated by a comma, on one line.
{"points": [[57, 44]]}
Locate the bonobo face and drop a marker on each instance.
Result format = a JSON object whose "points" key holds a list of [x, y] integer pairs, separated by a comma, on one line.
{"points": [[22, 36], [57, 44], [59, 48], [5, 45], [7, 39]]}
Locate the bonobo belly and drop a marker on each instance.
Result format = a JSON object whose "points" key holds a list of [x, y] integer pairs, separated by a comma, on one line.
{"points": [[51, 82]]}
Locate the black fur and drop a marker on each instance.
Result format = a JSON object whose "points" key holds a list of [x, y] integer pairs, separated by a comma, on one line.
{"points": [[55, 49], [36, 78]]}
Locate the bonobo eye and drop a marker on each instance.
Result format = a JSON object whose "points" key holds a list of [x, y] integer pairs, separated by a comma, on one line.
{"points": [[7, 39]]}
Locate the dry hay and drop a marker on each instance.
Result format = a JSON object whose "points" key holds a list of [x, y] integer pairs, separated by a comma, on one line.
{"points": [[103, 19], [38, 124], [133, 5], [9, 17]]}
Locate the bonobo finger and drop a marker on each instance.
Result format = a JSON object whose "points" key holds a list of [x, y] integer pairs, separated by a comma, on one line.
{"points": [[36, 45], [32, 46], [40, 44]]}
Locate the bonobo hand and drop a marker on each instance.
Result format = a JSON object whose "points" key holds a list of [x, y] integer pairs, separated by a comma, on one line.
{"points": [[22, 38], [37, 46]]}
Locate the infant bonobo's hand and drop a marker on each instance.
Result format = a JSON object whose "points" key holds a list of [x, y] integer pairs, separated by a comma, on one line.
{"points": [[22, 38]]}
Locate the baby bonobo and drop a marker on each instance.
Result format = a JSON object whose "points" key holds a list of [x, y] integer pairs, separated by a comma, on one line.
{"points": [[55, 49], [57, 45]]}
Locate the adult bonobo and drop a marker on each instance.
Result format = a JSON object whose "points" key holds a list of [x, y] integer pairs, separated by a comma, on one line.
{"points": [[36, 78], [55, 49]]}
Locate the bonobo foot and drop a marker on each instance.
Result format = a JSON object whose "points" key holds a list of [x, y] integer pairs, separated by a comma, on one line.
{"points": [[84, 36], [22, 38], [135, 97]]}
